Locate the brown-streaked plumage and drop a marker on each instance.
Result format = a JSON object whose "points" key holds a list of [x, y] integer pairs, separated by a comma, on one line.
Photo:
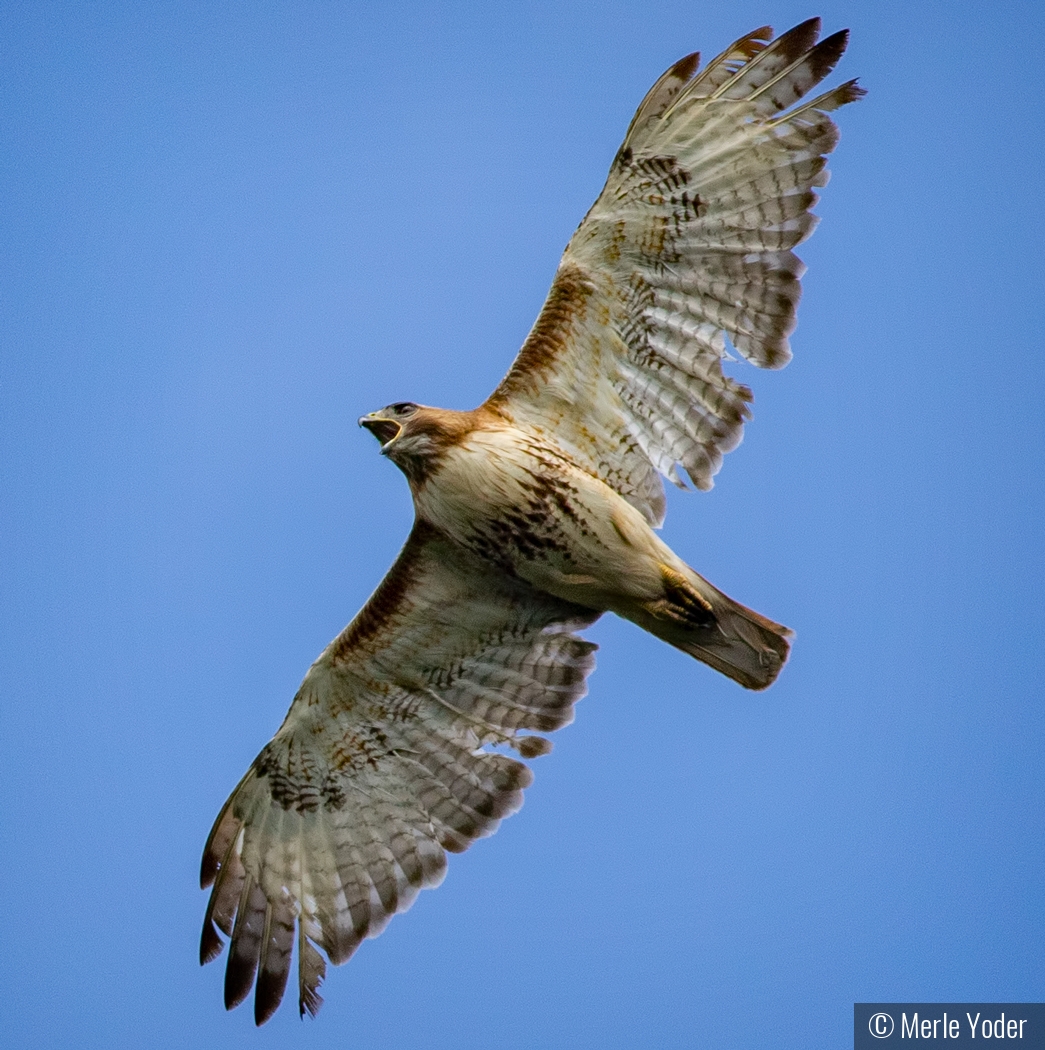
{"points": [[535, 514]]}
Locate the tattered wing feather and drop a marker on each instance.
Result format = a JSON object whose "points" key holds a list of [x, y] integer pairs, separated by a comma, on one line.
{"points": [[380, 767], [689, 243]]}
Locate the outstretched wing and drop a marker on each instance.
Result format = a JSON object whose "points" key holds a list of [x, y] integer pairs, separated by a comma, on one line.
{"points": [[689, 242], [381, 765]]}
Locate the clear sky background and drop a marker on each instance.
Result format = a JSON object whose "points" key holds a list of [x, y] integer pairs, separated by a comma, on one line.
{"points": [[229, 229]]}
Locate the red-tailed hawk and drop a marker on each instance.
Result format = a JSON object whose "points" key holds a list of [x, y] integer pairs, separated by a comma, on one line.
{"points": [[535, 513]]}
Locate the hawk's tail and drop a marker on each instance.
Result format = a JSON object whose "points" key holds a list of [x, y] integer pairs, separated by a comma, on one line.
{"points": [[699, 619]]}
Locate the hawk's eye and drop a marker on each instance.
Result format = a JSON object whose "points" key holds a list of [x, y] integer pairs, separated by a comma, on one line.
{"points": [[403, 408]]}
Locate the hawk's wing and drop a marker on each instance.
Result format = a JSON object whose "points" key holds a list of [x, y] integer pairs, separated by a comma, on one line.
{"points": [[380, 764], [689, 242]]}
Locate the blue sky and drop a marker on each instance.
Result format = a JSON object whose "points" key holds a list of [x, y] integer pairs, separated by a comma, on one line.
{"points": [[228, 230]]}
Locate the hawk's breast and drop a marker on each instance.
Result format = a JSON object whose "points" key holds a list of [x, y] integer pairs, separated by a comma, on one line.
{"points": [[517, 499]]}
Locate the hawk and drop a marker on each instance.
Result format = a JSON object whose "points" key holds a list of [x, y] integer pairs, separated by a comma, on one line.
{"points": [[535, 514]]}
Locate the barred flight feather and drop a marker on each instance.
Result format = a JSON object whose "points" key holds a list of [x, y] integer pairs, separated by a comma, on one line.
{"points": [[709, 193], [377, 769], [770, 61], [723, 68]]}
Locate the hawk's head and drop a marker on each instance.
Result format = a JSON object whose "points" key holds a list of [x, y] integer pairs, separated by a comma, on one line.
{"points": [[414, 437]]}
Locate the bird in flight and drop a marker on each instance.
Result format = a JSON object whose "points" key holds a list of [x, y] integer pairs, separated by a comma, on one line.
{"points": [[535, 514]]}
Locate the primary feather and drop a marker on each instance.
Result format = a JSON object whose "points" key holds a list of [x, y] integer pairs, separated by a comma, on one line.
{"points": [[688, 245]]}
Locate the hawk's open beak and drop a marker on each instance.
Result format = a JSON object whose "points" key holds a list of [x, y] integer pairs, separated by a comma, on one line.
{"points": [[382, 428]]}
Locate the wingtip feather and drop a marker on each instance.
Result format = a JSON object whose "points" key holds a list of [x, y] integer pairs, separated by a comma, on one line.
{"points": [[211, 945], [311, 972], [685, 67]]}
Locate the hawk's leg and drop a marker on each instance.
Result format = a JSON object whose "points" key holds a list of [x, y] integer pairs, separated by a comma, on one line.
{"points": [[680, 602]]}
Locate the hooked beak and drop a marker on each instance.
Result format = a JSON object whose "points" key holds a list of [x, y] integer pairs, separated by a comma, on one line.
{"points": [[382, 428]]}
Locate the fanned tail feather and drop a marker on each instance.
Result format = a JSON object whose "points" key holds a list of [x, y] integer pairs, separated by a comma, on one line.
{"points": [[696, 617]]}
